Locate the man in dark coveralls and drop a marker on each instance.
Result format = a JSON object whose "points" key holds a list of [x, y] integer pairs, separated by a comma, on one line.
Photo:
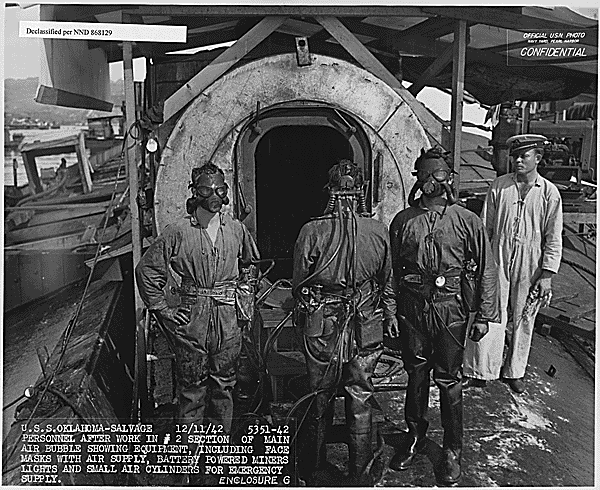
{"points": [[444, 269], [342, 272], [206, 250]]}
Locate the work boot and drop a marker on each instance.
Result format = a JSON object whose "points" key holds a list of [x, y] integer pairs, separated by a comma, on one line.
{"points": [[404, 457], [360, 454], [450, 472], [516, 384]]}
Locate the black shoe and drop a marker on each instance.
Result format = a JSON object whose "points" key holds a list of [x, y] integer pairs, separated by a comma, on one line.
{"points": [[450, 472], [473, 383], [516, 384], [404, 457]]}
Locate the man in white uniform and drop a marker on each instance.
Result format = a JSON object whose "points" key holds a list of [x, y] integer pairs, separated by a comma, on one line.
{"points": [[523, 217]]}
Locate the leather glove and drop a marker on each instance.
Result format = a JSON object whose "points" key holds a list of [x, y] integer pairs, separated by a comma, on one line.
{"points": [[478, 331], [391, 327], [178, 315]]}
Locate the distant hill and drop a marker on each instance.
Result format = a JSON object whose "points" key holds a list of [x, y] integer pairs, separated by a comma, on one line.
{"points": [[19, 95]]}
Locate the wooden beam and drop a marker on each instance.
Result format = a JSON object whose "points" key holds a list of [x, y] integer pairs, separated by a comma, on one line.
{"points": [[220, 65], [54, 96], [432, 70], [267, 10], [458, 87], [130, 153], [35, 185], [432, 28], [130, 158], [136, 239], [84, 165], [437, 133], [73, 13], [57, 207]]}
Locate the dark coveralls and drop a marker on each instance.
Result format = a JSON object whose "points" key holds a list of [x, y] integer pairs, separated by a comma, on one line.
{"points": [[208, 347], [444, 269], [337, 355]]}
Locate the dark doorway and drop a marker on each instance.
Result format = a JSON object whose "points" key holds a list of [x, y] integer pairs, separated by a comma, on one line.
{"points": [[291, 170]]}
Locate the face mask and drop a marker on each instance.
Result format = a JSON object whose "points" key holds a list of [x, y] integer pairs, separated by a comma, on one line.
{"points": [[209, 191], [431, 179], [432, 188]]}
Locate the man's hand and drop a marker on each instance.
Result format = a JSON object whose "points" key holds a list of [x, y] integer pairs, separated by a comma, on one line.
{"points": [[391, 327], [478, 331], [543, 286], [178, 315]]}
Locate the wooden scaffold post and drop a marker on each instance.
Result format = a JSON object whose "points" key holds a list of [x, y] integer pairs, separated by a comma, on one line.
{"points": [[140, 388], [458, 87]]}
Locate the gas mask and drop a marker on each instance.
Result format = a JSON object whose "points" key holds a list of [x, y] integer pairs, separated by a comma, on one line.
{"points": [[209, 191], [346, 184], [434, 176]]}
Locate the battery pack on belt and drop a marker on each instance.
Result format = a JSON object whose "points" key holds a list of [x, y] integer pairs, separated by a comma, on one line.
{"points": [[439, 281]]}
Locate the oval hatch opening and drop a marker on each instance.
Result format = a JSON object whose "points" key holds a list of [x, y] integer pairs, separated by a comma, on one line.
{"points": [[284, 168]]}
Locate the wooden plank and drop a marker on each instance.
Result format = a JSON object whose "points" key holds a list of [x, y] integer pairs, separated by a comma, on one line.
{"points": [[220, 65], [56, 207], [432, 70], [263, 10], [136, 238], [54, 96], [131, 163], [557, 323], [84, 165], [437, 133], [35, 184], [458, 88], [67, 142], [590, 218], [434, 28], [50, 230], [62, 215]]}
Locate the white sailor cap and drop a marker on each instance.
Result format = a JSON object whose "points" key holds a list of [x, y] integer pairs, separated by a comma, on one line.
{"points": [[524, 142]]}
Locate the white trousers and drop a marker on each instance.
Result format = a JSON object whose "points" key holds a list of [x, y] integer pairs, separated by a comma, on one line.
{"points": [[484, 359]]}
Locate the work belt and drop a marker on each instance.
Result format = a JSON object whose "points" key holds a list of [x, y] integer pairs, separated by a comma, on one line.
{"points": [[223, 292], [435, 287], [329, 296]]}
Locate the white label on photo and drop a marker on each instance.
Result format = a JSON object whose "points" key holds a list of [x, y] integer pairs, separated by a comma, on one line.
{"points": [[103, 31]]}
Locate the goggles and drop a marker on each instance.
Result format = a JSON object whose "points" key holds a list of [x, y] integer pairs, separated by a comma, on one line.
{"points": [[440, 175], [205, 191]]}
